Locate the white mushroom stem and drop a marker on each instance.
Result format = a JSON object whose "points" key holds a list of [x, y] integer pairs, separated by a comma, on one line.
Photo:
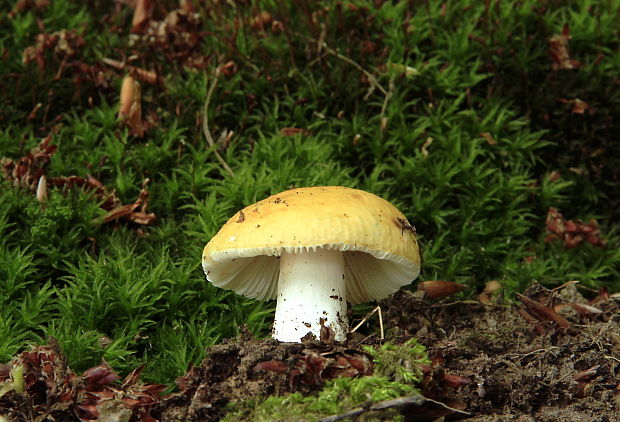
{"points": [[311, 287]]}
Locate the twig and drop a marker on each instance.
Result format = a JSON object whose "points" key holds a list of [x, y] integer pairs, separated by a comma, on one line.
{"points": [[205, 121], [368, 315], [415, 400], [542, 349], [463, 302], [388, 95], [612, 357], [372, 79], [374, 83]]}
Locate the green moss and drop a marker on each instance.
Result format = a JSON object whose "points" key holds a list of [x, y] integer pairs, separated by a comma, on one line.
{"points": [[395, 374], [399, 362], [338, 396]]}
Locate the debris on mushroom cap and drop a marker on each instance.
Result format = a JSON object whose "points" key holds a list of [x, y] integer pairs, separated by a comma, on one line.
{"points": [[380, 248]]}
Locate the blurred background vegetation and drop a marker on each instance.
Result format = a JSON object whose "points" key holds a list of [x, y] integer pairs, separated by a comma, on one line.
{"points": [[474, 118]]}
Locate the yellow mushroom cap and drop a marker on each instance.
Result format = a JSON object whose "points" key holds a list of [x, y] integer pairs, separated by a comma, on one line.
{"points": [[381, 252]]}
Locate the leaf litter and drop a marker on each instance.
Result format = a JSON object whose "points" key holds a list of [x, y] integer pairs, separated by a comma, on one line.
{"points": [[29, 172]]}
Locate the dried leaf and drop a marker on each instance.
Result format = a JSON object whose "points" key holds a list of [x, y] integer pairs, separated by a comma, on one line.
{"points": [[572, 233], [436, 289], [584, 309], [128, 212], [141, 14], [141, 218], [130, 111], [602, 296], [489, 138], [541, 312], [491, 289], [61, 47], [27, 171], [42, 189], [312, 369], [178, 37], [577, 106], [587, 374], [117, 213], [558, 50], [292, 131], [455, 380], [22, 6], [261, 21], [425, 146], [272, 365]]}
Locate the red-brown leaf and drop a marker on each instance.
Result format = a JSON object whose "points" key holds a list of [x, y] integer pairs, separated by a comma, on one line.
{"points": [[455, 380], [436, 289], [541, 312], [292, 131]]}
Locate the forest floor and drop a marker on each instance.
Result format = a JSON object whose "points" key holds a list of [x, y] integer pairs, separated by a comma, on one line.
{"points": [[553, 358]]}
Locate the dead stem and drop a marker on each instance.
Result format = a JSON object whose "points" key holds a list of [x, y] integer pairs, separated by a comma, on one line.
{"points": [[372, 79], [415, 400], [374, 83], [205, 121], [368, 315]]}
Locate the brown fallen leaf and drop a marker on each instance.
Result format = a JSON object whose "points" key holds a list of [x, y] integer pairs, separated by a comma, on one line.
{"points": [[128, 212], [455, 381], [538, 326], [587, 374], [558, 50], [602, 296], [107, 197], [229, 68], [141, 218], [61, 47], [130, 111], [22, 6], [27, 170], [584, 309], [577, 106], [490, 292], [542, 312], [141, 15], [572, 233], [143, 75], [178, 37], [261, 21], [312, 369], [436, 289], [489, 138], [292, 131]]}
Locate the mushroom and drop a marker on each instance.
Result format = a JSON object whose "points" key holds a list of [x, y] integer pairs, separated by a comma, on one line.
{"points": [[313, 249]]}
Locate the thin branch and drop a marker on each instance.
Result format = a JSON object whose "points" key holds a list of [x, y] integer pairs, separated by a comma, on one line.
{"points": [[372, 79], [374, 83], [205, 121], [368, 315], [415, 400]]}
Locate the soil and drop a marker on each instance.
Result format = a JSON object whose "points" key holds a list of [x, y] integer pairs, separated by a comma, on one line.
{"points": [[554, 357], [521, 370]]}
